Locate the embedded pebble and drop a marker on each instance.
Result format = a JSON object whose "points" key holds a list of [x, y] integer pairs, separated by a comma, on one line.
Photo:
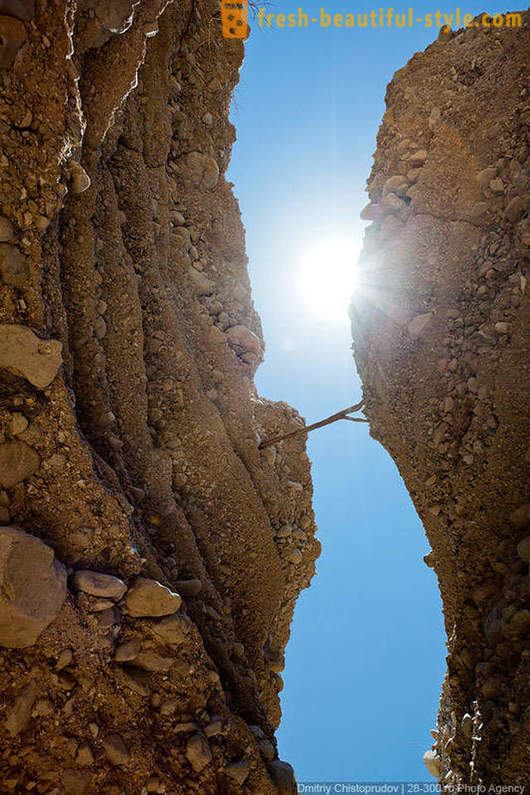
{"points": [[295, 486], [80, 180], [432, 763], [12, 37], [295, 557], [17, 424], [97, 584], [18, 461], [168, 707], [198, 752], [397, 184], [496, 185], [127, 651], [6, 230], [392, 203], [19, 715], [172, 630], [64, 660], [515, 209], [109, 618], [14, 268], [149, 660], [485, 176], [25, 355], [243, 339], [523, 549], [116, 750], [299, 535], [100, 328], [155, 784], [214, 728], [238, 771], [418, 158], [418, 325], [520, 518], [84, 756], [202, 284], [502, 328], [43, 707], [199, 171], [148, 597]]}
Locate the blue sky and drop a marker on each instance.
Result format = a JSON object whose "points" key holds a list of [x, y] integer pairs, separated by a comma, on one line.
{"points": [[367, 655]]}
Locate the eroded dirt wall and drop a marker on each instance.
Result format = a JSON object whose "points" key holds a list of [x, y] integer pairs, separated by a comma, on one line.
{"points": [[440, 328], [129, 422]]}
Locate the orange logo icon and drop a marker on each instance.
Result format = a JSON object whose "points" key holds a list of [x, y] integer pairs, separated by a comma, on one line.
{"points": [[234, 19]]}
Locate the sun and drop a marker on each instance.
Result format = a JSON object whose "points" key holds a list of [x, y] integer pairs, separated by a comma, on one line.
{"points": [[327, 274]]}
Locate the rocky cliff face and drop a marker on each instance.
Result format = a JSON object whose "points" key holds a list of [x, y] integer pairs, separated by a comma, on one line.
{"points": [[150, 554], [441, 336]]}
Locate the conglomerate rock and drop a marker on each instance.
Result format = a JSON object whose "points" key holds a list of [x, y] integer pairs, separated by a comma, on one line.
{"points": [[129, 422], [441, 337]]}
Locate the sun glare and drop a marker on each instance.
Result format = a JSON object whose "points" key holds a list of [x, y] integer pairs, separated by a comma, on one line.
{"points": [[327, 276]]}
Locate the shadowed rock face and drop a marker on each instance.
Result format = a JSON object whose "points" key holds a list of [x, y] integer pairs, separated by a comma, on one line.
{"points": [[440, 328], [32, 588], [129, 422]]}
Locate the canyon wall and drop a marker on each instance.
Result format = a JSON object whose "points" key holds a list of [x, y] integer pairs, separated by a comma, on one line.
{"points": [[150, 553], [441, 339]]}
